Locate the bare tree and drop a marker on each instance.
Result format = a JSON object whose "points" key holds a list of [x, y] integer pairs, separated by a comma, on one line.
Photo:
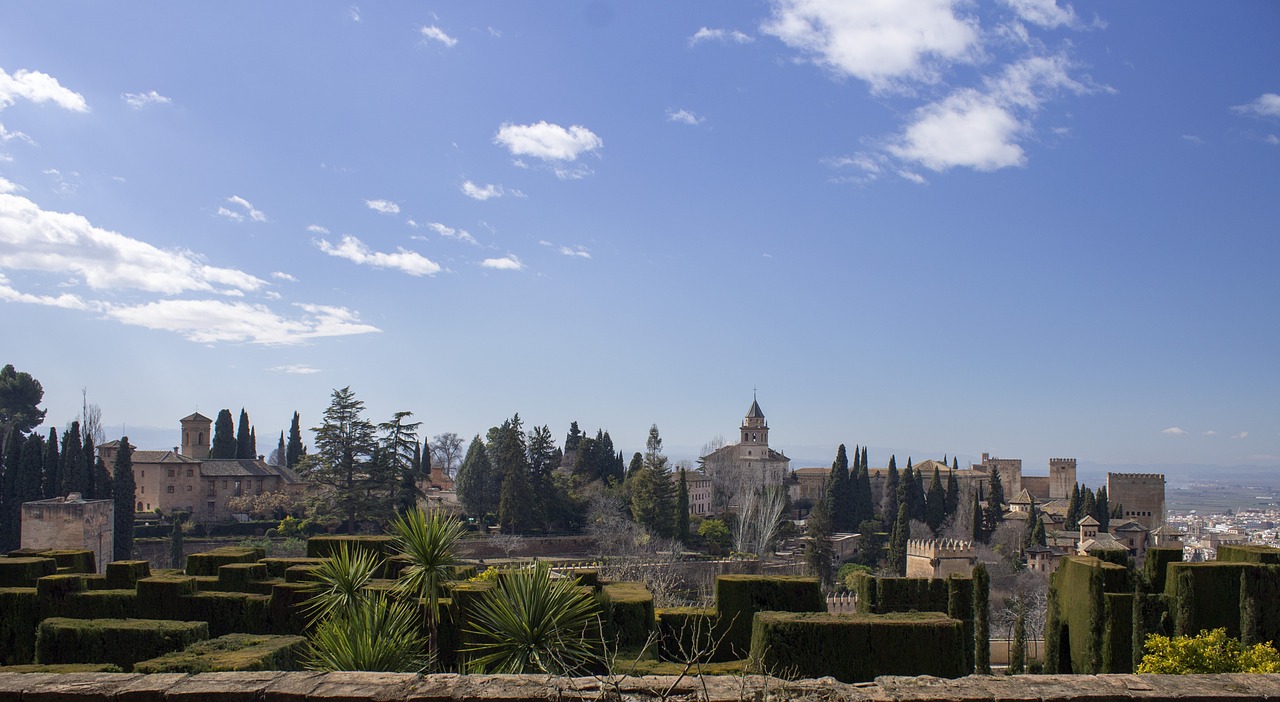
{"points": [[723, 472], [629, 552], [91, 420], [760, 514], [447, 450]]}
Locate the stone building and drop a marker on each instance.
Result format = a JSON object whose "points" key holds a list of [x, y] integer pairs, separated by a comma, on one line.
{"points": [[751, 461], [939, 559], [186, 480], [71, 523], [1140, 497]]}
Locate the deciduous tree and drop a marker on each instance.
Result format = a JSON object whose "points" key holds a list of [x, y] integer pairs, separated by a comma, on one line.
{"points": [[447, 452]]}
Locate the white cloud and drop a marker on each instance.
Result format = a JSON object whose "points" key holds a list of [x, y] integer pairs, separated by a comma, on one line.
{"points": [[38, 87], [383, 206], [882, 43], [140, 100], [1272, 139], [210, 321], [280, 275], [295, 369], [57, 242], [576, 172], [546, 141], [1044, 13], [451, 233], [1268, 105], [317, 229], [437, 34], [1192, 139], [481, 192], [1241, 435], [353, 12], [8, 186], [1211, 433], [506, 263], [1174, 431], [65, 300], [355, 251], [250, 211], [578, 251], [719, 35], [684, 117]]}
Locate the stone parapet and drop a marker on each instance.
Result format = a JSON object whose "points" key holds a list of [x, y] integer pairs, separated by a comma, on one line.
{"points": [[391, 687]]}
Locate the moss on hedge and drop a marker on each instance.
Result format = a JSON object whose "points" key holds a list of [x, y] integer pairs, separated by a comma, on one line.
{"points": [[237, 576], [76, 560], [739, 597], [56, 587], [100, 604], [276, 567], [229, 612], [122, 642], [857, 647], [230, 653]]}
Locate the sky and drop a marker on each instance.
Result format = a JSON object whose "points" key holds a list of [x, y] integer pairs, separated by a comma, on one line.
{"points": [[928, 226]]}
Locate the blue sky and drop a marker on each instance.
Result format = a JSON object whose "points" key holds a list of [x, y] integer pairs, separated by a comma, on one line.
{"points": [[1021, 227]]}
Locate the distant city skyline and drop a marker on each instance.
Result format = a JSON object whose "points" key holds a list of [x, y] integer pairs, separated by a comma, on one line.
{"points": [[1023, 227]]}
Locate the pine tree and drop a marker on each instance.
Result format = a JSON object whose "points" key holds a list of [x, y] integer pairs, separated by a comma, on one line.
{"points": [[515, 509], [224, 436], [52, 485], [399, 446], [10, 479], [898, 542], [636, 465], [543, 459], [682, 509], [1073, 509], [476, 484], [123, 489], [294, 450], [244, 442], [889, 505], [573, 438], [935, 503], [341, 466], [76, 476]]}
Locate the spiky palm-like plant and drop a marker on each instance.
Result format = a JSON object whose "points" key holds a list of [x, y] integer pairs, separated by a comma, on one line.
{"points": [[379, 633], [531, 623], [428, 541], [340, 582]]}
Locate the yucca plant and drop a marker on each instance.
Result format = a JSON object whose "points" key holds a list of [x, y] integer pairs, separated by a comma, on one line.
{"points": [[340, 582], [428, 542], [379, 633], [532, 623]]}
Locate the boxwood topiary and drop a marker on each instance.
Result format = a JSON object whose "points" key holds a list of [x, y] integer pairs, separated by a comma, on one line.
{"points": [[122, 642], [628, 609], [230, 653], [739, 597]]}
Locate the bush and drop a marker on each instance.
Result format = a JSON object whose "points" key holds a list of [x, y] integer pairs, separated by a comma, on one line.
{"points": [[739, 597], [228, 653], [628, 610], [20, 613], [207, 563], [122, 642], [859, 647], [1249, 553], [688, 634], [1207, 652], [1079, 587], [1207, 596], [123, 575], [229, 612], [22, 571], [73, 560], [1156, 565], [100, 604]]}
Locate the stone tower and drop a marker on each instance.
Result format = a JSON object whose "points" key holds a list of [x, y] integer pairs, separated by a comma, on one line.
{"points": [[1062, 476], [196, 429], [755, 430]]}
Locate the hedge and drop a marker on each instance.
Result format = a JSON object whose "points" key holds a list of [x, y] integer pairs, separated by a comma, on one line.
{"points": [[73, 560], [126, 574], [228, 653], [688, 634], [20, 613], [857, 647], [237, 576], [276, 567], [23, 571], [628, 610], [324, 546], [122, 642], [160, 596], [739, 597], [229, 612], [1157, 564], [56, 587], [589, 577], [100, 604], [207, 563], [462, 597], [1213, 598], [61, 668], [1079, 586], [1249, 553]]}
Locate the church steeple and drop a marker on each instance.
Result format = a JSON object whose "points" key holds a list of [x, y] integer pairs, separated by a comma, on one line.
{"points": [[755, 430]]}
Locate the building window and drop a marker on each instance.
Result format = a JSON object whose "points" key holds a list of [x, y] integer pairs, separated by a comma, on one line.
{"points": [[170, 472], [170, 490], [144, 473], [188, 488], [143, 489], [190, 472], [139, 506], [200, 438], [211, 505], [224, 485]]}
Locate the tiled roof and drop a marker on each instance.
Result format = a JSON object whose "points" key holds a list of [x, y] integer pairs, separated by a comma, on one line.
{"points": [[152, 457], [195, 416], [754, 412]]}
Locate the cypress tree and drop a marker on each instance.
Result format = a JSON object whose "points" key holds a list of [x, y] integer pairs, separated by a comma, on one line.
{"points": [[866, 501], [1073, 509], [52, 466], [682, 509], [1017, 655], [976, 530], [28, 483], [281, 451], [476, 484], [1138, 620], [935, 512], [224, 436], [1101, 510], [898, 542], [818, 551], [177, 556], [840, 493], [1087, 504], [253, 443], [889, 505], [293, 451], [90, 452], [1038, 537], [10, 496], [76, 476], [995, 501], [952, 502], [102, 488], [123, 490], [981, 621], [244, 441]]}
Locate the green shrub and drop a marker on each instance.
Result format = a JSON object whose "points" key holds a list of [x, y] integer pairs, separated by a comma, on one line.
{"points": [[229, 612], [1207, 652], [858, 647], [590, 577], [688, 634], [1249, 553], [123, 575], [301, 573], [56, 587], [324, 546], [23, 571], [1117, 632], [739, 597], [73, 560], [100, 604], [236, 576], [628, 610], [228, 653], [206, 564], [1079, 587], [122, 642], [287, 605], [160, 596], [20, 611], [1157, 564], [276, 567], [1213, 598], [62, 668]]}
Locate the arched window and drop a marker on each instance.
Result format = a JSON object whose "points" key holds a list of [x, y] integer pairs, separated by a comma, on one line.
{"points": [[199, 438], [139, 506]]}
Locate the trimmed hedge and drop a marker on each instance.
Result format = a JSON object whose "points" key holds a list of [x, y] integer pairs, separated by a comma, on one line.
{"points": [[73, 560], [56, 587], [1079, 585], [206, 564], [122, 642], [160, 596], [20, 613], [462, 597], [325, 546], [1157, 565], [1249, 553], [229, 612], [688, 634], [1213, 600], [126, 574], [301, 573], [61, 668], [237, 576], [23, 571], [857, 647], [100, 604], [588, 577], [276, 567], [739, 597], [628, 610], [228, 653], [286, 605]]}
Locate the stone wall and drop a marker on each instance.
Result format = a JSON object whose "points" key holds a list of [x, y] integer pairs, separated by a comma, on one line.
{"points": [[300, 687], [71, 523], [1140, 494]]}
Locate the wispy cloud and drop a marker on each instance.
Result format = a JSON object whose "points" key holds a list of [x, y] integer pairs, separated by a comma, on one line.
{"points": [[295, 369], [506, 263], [1174, 431], [140, 100], [353, 13], [1211, 433], [1192, 139], [435, 33], [684, 117], [487, 191], [1268, 105], [577, 251], [383, 206], [1045, 13], [451, 233], [280, 275], [546, 141], [354, 250], [1241, 435], [212, 321], [249, 210], [317, 229], [726, 36]]}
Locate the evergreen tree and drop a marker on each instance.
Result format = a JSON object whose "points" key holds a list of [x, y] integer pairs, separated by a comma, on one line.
{"points": [[224, 436], [477, 485], [889, 505], [917, 502], [995, 502], [818, 550], [90, 453], [10, 476], [981, 620], [1018, 654], [1038, 537], [102, 487], [294, 450], [976, 530], [843, 512], [244, 442], [1102, 510], [653, 449], [253, 443], [76, 476], [636, 465], [682, 509], [1029, 533], [952, 501], [866, 501], [935, 503], [515, 510], [341, 466], [1087, 503], [177, 554], [123, 489], [27, 484], [20, 397], [400, 456], [1073, 509], [279, 456], [543, 459], [573, 438], [653, 500], [898, 542], [52, 466]]}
